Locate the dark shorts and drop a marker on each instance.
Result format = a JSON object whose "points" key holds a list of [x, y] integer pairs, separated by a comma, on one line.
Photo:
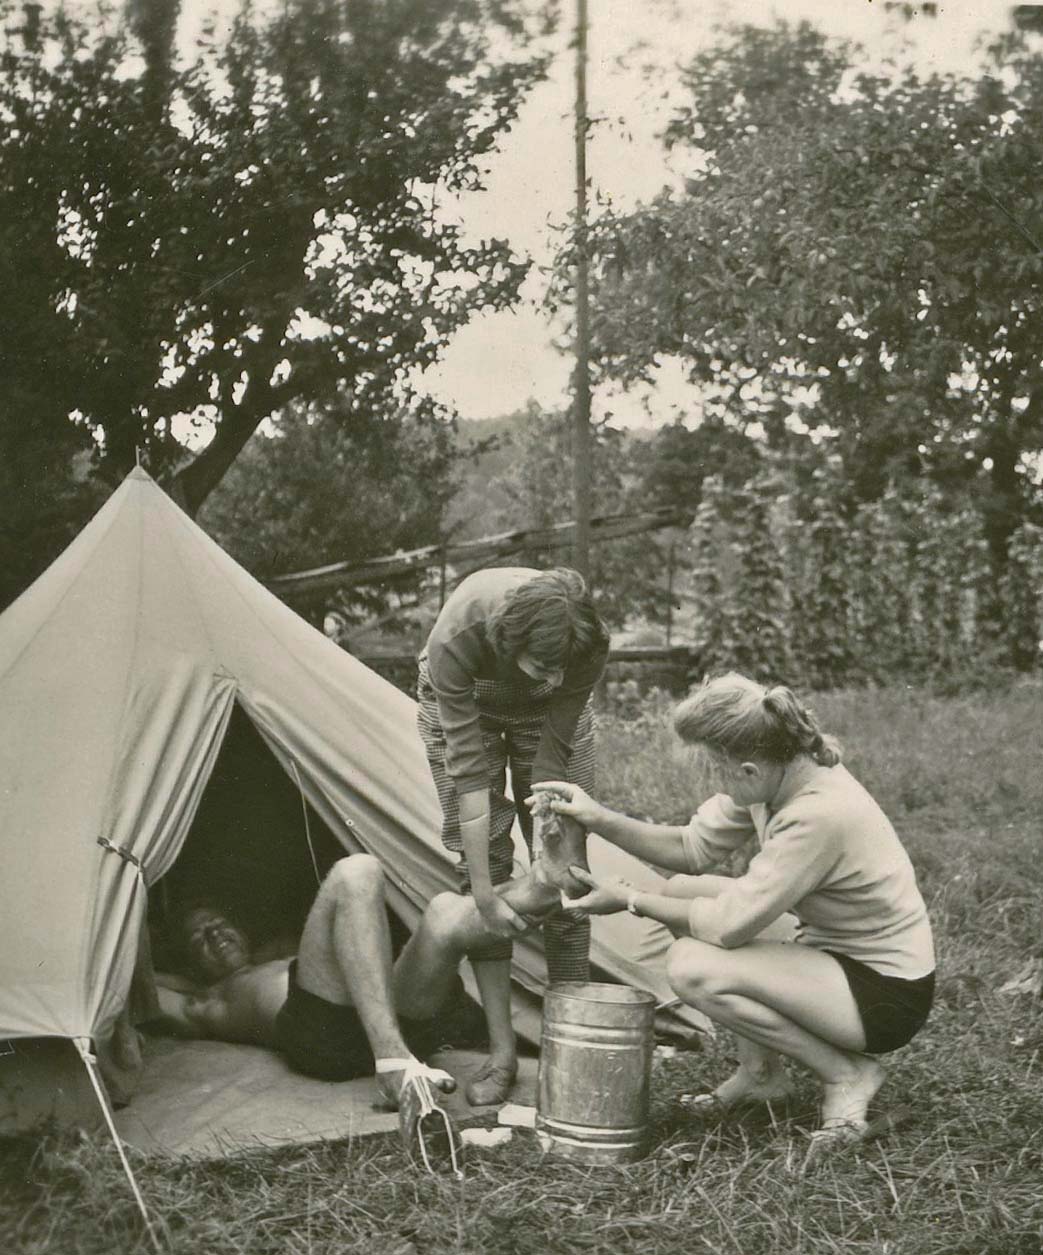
{"points": [[327, 1040], [893, 1010], [319, 1038]]}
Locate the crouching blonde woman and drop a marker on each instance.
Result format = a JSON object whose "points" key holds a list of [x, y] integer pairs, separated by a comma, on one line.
{"points": [[859, 980]]}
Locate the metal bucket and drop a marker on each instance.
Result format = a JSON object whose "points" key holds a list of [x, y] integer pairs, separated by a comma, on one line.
{"points": [[595, 1072]]}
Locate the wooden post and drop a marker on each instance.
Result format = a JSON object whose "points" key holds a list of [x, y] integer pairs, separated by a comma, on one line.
{"points": [[669, 592], [581, 441]]}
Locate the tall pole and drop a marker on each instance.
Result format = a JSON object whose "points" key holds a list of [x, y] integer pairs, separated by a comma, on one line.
{"points": [[581, 440]]}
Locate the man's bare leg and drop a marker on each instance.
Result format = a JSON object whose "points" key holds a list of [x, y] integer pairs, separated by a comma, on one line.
{"points": [[345, 957], [452, 927]]}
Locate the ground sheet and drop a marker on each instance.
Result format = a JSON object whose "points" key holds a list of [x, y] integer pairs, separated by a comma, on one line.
{"points": [[207, 1099]]}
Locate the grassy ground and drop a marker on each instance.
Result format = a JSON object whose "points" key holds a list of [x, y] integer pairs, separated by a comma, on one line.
{"points": [[962, 1175]]}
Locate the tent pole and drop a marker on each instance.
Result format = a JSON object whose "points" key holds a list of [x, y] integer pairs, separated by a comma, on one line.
{"points": [[82, 1045]]}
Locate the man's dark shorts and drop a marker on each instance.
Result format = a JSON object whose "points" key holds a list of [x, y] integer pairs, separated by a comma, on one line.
{"points": [[326, 1040], [893, 1010]]}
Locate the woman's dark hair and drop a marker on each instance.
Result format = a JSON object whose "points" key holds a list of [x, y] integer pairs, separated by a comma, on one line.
{"points": [[736, 716], [552, 617]]}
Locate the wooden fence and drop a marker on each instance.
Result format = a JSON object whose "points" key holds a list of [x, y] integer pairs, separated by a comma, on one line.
{"points": [[468, 553], [673, 668]]}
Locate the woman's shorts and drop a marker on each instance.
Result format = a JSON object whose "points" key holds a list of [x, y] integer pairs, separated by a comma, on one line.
{"points": [[893, 1010]]}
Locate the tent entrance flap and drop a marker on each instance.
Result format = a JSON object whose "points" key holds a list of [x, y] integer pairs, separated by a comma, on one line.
{"points": [[251, 849]]}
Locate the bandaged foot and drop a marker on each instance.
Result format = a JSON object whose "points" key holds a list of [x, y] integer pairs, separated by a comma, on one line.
{"points": [[394, 1074], [559, 843], [427, 1132]]}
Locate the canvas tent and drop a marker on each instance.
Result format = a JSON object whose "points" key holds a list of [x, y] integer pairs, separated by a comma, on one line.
{"points": [[120, 669]]}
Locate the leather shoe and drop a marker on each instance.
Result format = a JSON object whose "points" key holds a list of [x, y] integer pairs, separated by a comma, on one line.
{"points": [[490, 1085]]}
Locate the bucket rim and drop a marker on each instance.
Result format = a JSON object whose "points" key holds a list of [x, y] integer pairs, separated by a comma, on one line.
{"points": [[591, 991]]}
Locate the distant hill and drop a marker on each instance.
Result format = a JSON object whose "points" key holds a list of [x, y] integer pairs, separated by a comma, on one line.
{"points": [[483, 506]]}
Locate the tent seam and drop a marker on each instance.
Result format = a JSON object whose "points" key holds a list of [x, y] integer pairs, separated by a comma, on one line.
{"points": [[91, 905], [168, 505], [185, 523]]}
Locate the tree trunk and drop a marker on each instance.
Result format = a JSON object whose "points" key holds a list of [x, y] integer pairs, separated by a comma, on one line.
{"points": [[193, 483]]}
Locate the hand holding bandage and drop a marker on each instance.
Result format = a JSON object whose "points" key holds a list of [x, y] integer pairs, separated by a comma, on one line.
{"points": [[560, 797], [606, 896]]}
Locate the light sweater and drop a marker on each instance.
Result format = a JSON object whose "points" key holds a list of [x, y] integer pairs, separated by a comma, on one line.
{"points": [[828, 854], [459, 652]]}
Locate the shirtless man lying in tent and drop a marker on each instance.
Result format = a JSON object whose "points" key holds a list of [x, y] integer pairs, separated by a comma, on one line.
{"points": [[339, 1009]]}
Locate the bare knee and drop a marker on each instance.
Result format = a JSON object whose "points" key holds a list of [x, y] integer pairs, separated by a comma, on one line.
{"points": [[689, 970], [358, 875], [445, 914]]}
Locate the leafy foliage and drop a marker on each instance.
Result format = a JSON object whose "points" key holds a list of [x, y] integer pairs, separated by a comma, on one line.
{"points": [[895, 589], [248, 232], [740, 581], [318, 491], [856, 258]]}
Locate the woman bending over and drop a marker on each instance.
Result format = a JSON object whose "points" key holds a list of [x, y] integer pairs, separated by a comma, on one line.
{"points": [[505, 685]]}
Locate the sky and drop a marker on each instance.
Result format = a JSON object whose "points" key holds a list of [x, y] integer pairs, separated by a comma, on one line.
{"points": [[500, 361]]}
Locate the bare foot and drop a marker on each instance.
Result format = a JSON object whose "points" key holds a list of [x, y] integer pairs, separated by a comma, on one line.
{"points": [[846, 1102], [745, 1088], [829, 1141]]}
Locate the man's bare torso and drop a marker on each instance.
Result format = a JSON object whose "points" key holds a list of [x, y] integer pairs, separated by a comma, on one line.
{"points": [[242, 1007]]}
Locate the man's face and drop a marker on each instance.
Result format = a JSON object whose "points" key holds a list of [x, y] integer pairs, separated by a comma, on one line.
{"points": [[215, 945]]}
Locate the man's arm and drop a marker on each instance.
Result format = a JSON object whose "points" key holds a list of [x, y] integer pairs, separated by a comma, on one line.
{"points": [[204, 1012], [174, 1019]]}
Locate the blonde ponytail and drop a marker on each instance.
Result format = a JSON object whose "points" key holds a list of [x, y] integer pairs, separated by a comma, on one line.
{"points": [[735, 715]]}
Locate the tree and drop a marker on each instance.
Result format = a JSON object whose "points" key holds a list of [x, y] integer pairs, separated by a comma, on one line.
{"points": [[679, 458], [861, 253], [253, 231], [316, 491]]}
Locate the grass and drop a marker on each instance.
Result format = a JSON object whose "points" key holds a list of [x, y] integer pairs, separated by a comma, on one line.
{"points": [[963, 1175]]}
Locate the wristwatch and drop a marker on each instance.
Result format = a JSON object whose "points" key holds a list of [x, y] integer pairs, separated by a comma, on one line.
{"points": [[632, 903]]}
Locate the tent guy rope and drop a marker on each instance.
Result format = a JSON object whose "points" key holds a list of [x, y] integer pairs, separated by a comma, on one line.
{"points": [[82, 1045]]}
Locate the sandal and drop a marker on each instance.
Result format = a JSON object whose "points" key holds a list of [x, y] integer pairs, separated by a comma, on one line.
{"points": [[428, 1135]]}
